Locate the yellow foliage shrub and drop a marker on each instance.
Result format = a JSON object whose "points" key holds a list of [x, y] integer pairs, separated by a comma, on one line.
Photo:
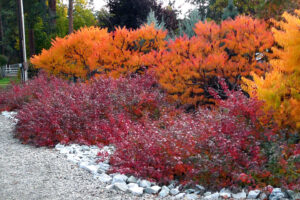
{"points": [[280, 89]]}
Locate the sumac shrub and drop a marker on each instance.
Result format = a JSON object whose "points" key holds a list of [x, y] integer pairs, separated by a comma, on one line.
{"points": [[88, 113], [93, 51], [211, 147], [188, 67]]}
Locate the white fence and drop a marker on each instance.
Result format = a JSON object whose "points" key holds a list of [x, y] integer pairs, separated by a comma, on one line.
{"points": [[11, 70]]}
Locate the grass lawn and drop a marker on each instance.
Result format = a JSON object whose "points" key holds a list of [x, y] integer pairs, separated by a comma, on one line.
{"points": [[6, 81]]}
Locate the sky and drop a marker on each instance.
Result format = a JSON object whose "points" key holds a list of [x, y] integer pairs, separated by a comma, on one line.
{"points": [[180, 5]]}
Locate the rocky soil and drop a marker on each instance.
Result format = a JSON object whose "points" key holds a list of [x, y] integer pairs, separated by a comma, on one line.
{"points": [[31, 173]]}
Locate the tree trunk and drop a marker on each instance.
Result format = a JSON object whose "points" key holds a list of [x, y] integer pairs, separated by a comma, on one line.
{"points": [[20, 33], [70, 16], [52, 7], [1, 35], [31, 42]]}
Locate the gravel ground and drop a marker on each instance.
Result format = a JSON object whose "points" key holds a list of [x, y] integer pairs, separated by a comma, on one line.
{"points": [[28, 173]]}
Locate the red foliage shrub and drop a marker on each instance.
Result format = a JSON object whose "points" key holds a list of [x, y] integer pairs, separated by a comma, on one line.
{"points": [[212, 147], [16, 95], [226, 146], [86, 113]]}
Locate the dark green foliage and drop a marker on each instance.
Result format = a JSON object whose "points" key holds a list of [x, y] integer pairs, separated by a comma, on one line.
{"points": [[103, 19], [9, 40], [133, 13], [230, 11], [129, 13], [3, 60]]}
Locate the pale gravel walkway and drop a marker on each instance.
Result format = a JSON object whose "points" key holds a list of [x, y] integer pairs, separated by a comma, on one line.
{"points": [[29, 173]]}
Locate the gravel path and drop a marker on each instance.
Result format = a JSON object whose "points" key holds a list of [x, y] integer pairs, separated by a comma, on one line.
{"points": [[29, 173]]}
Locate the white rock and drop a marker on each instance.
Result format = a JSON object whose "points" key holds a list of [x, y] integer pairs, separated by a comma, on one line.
{"points": [[152, 190], [91, 168], [121, 186], [200, 187], [144, 184], [109, 187], [85, 148], [189, 191], [293, 195], [263, 196], [104, 178], [224, 193], [253, 194], [136, 190], [119, 178], [105, 166], [240, 195], [276, 194], [179, 196], [164, 192], [131, 179], [59, 146], [73, 158], [65, 150], [213, 196], [207, 194], [171, 186], [174, 191], [131, 185], [191, 196]]}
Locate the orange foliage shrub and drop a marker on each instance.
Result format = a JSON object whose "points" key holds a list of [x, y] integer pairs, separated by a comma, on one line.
{"points": [[188, 67], [69, 56], [92, 51], [185, 68], [126, 49]]}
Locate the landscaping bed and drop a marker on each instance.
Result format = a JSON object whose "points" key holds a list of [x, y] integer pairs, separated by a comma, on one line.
{"points": [[190, 113]]}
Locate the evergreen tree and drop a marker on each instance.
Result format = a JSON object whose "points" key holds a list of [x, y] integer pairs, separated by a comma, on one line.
{"points": [[188, 24], [151, 18], [133, 13], [129, 13], [230, 11]]}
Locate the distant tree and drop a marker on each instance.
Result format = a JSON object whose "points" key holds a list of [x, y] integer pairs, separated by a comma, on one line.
{"points": [[82, 15], [203, 7], [36, 12], [168, 16], [129, 13], [275, 8], [9, 30], [213, 9], [151, 19], [3, 60], [52, 10], [103, 19], [230, 11], [62, 21], [1, 34], [187, 25], [70, 15]]}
